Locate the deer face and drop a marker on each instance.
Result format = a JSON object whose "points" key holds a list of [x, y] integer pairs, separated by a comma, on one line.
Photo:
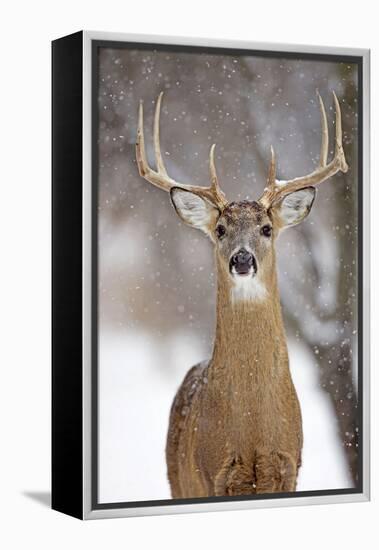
{"points": [[244, 233], [244, 239]]}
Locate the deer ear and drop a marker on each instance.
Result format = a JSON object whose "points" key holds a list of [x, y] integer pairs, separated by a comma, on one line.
{"points": [[295, 207], [194, 210]]}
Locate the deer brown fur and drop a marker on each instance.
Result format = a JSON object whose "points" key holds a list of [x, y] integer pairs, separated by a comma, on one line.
{"points": [[235, 424]]}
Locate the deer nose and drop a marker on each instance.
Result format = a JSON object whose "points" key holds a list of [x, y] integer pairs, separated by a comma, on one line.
{"points": [[242, 262]]}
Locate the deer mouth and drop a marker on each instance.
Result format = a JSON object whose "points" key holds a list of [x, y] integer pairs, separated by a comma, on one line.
{"points": [[243, 264], [243, 272]]}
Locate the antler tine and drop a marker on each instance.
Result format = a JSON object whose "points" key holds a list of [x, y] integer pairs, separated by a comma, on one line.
{"points": [[272, 170], [270, 190], [140, 144], [215, 189], [212, 167], [324, 133], [324, 171], [339, 152], [157, 147], [159, 177]]}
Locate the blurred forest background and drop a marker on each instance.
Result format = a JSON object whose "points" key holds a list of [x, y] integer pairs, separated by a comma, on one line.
{"points": [[156, 276]]}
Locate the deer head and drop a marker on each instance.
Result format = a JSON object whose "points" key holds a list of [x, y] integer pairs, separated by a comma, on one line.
{"points": [[244, 233]]}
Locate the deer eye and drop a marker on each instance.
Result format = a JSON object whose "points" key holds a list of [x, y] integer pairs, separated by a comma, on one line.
{"points": [[220, 231], [266, 230]]}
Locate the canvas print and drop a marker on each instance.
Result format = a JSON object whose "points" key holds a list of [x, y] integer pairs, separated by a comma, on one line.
{"points": [[227, 274]]}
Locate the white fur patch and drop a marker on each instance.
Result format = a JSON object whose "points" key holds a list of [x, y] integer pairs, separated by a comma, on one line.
{"points": [[247, 289]]}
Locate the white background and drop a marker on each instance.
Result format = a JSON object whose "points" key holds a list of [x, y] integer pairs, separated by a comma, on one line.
{"points": [[27, 28]]}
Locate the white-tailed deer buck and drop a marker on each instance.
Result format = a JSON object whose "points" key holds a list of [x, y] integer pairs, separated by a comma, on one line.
{"points": [[235, 424]]}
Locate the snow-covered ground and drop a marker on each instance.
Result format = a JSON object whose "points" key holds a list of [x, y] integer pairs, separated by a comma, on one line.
{"points": [[138, 380]]}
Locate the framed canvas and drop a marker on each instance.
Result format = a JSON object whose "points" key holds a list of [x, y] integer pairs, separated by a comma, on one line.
{"points": [[210, 275]]}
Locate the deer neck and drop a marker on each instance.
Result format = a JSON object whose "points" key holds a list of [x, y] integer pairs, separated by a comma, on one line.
{"points": [[250, 338]]}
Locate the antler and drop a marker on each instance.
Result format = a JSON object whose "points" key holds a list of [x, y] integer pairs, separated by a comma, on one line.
{"points": [[277, 189], [160, 178]]}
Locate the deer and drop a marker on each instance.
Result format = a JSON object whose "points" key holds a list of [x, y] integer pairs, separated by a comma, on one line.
{"points": [[235, 425]]}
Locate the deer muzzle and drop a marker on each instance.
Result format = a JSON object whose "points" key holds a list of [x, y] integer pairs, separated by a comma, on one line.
{"points": [[243, 263]]}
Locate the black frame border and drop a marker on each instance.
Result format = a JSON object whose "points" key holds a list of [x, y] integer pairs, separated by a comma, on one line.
{"points": [[67, 292], [214, 50]]}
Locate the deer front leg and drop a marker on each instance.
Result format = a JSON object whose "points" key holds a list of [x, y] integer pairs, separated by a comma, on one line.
{"points": [[234, 478], [275, 472]]}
